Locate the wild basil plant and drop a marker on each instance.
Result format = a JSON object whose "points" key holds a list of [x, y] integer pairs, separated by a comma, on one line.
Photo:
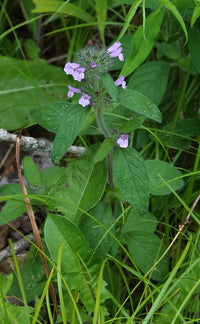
{"points": [[98, 206]]}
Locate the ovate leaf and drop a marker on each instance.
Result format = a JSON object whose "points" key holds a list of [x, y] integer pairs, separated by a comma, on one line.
{"points": [[146, 249], [76, 253], [68, 130], [160, 172], [51, 115], [81, 189], [25, 85], [130, 175], [151, 80], [140, 104]]}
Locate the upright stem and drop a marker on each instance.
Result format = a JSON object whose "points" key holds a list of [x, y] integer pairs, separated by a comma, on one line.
{"points": [[101, 124], [110, 169], [107, 134]]}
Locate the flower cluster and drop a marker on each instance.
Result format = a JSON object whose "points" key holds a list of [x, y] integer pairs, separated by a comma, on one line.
{"points": [[92, 63]]}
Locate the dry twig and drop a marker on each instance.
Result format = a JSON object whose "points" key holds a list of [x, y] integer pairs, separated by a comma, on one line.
{"points": [[33, 221]]}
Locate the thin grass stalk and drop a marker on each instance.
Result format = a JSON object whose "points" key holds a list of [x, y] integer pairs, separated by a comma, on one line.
{"points": [[161, 295], [19, 277], [59, 281], [41, 300]]}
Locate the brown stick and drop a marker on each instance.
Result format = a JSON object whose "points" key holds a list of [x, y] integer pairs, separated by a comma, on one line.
{"points": [[33, 221]]}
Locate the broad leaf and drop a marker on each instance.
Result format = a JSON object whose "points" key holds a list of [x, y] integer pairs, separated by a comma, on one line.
{"points": [[160, 172], [76, 253], [140, 104], [96, 234], [146, 249], [130, 175], [135, 223], [143, 41], [25, 85], [81, 189], [68, 130], [51, 115], [151, 80]]}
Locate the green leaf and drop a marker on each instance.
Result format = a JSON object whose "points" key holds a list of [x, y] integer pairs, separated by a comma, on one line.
{"points": [[69, 128], [143, 41], [81, 189], [170, 6], [104, 149], [32, 273], [137, 102], [159, 171], [131, 125], [32, 172], [146, 249], [135, 223], [169, 50], [194, 46], [131, 177], [75, 256], [110, 85], [63, 7], [15, 314], [98, 237], [101, 11], [25, 85], [151, 80], [51, 115]]}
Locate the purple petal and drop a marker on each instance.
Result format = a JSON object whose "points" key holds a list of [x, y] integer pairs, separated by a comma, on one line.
{"points": [[121, 57], [84, 100], [121, 82], [114, 47], [78, 74], [123, 141], [71, 91], [70, 67], [116, 53]]}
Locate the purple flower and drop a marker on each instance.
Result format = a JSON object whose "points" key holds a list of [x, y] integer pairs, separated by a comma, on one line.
{"points": [[72, 91], [75, 70], [123, 140], [70, 67], [84, 100], [78, 74], [121, 82], [115, 51], [94, 65]]}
